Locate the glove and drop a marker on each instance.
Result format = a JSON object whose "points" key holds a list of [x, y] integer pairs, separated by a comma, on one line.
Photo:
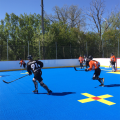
{"points": [[30, 73], [86, 69]]}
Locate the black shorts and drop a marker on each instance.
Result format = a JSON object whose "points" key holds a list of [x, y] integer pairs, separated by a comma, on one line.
{"points": [[37, 76], [113, 63], [87, 63], [97, 72]]}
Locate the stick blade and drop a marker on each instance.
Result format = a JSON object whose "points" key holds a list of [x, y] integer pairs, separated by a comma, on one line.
{"points": [[78, 70], [5, 82]]}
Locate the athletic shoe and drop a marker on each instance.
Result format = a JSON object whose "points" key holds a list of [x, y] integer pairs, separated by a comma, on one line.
{"points": [[49, 92], [101, 85], [35, 91]]}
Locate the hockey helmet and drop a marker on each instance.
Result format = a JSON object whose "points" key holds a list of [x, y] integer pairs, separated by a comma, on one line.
{"points": [[29, 57], [112, 54], [90, 57]]}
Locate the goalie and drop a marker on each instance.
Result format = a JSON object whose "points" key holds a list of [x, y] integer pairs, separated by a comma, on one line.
{"points": [[95, 65]]}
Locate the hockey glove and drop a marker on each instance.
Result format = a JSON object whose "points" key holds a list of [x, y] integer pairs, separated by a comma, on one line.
{"points": [[86, 69], [30, 73]]}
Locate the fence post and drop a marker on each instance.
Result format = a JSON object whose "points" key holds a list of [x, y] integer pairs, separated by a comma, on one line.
{"points": [[24, 52], [70, 50], [28, 48], [39, 50], [56, 49], [86, 49]]}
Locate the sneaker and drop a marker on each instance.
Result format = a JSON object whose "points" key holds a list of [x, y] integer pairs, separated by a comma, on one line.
{"points": [[49, 92], [35, 91], [101, 85]]}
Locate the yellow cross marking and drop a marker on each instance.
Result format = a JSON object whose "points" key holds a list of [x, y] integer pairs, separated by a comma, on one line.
{"points": [[98, 98]]}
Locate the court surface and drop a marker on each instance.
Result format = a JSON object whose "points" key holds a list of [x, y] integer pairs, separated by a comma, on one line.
{"points": [[75, 96]]}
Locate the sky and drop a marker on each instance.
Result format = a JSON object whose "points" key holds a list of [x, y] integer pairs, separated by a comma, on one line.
{"points": [[33, 6]]}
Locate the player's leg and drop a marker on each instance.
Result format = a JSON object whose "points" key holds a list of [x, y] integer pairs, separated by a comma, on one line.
{"points": [[114, 67], [81, 65], [87, 64], [96, 76], [45, 87], [39, 78], [36, 85]]}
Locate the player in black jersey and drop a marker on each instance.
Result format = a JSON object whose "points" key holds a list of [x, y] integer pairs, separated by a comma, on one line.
{"points": [[35, 67], [86, 61]]}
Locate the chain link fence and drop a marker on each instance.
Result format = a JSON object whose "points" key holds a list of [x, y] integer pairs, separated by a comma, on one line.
{"points": [[54, 52]]}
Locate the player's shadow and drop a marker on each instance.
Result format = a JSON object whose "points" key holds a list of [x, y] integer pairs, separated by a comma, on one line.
{"points": [[4, 75], [60, 94], [112, 85], [54, 94]]}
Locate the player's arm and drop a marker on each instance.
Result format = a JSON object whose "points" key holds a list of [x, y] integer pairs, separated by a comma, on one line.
{"points": [[90, 68], [29, 69]]}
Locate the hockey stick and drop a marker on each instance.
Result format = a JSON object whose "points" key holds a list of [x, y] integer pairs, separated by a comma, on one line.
{"points": [[14, 80], [78, 70]]}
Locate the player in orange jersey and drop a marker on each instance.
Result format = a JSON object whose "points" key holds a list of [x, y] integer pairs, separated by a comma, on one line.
{"points": [[81, 59], [95, 65], [22, 63], [112, 61]]}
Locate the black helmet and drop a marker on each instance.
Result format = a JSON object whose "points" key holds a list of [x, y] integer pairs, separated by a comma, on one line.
{"points": [[90, 57], [20, 58], [29, 57], [112, 54]]}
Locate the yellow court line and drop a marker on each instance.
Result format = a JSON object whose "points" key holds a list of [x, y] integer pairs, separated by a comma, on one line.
{"points": [[23, 73], [106, 70], [114, 72]]}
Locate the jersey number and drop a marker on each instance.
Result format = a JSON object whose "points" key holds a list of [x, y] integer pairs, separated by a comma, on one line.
{"points": [[33, 66]]}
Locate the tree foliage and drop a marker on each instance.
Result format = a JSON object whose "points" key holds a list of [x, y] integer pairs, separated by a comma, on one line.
{"points": [[64, 34]]}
